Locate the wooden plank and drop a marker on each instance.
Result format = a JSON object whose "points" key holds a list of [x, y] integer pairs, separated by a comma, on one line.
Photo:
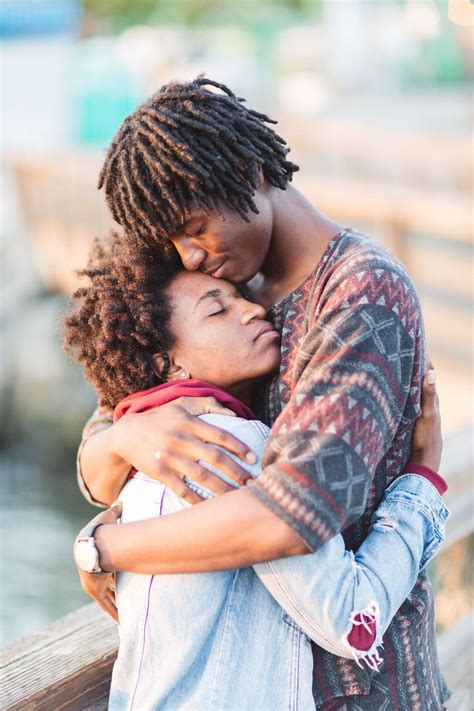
{"points": [[407, 207], [65, 666], [441, 266], [439, 159], [457, 466], [457, 662], [449, 327]]}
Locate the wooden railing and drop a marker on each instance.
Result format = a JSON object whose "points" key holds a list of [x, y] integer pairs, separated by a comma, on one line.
{"points": [[67, 666]]}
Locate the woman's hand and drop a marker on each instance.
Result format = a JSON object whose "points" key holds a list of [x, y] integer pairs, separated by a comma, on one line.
{"points": [[168, 443], [427, 440], [101, 586]]}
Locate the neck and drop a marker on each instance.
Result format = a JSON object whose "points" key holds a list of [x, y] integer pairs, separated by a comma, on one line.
{"points": [[244, 391], [300, 235]]}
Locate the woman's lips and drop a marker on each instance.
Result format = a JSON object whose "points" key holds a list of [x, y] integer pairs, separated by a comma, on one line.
{"points": [[267, 332]]}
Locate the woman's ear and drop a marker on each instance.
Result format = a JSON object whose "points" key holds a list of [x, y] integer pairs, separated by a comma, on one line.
{"points": [[167, 369], [178, 374]]}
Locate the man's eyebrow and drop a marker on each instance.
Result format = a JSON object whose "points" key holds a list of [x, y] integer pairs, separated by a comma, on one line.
{"points": [[212, 294], [193, 219]]}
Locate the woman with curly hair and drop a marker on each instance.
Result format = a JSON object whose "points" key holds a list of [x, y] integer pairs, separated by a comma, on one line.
{"points": [[147, 332]]}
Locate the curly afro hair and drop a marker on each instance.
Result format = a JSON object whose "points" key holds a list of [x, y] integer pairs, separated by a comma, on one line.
{"points": [[122, 317]]}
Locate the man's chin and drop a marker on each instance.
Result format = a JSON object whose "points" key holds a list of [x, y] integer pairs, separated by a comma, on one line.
{"points": [[248, 279]]}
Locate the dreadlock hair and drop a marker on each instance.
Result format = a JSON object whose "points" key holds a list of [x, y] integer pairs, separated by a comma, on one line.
{"points": [[121, 319], [189, 147]]}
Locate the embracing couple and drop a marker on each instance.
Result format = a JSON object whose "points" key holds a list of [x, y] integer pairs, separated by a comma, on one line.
{"points": [[304, 586]]}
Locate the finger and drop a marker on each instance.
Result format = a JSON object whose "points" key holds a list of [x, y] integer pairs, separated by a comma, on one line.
{"points": [[220, 460], [108, 607], [175, 482], [428, 393], [110, 597], [204, 406], [215, 435], [200, 475], [116, 508]]}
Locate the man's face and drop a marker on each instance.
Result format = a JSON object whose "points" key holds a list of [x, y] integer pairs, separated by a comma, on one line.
{"points": [[222, 244]]}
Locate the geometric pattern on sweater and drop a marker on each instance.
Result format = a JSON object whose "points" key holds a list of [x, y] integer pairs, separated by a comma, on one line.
{"points": [[342, 409]]}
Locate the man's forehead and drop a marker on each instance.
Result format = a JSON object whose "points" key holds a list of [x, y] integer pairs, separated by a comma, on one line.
{"points": [[194, 209], [197, 214]]}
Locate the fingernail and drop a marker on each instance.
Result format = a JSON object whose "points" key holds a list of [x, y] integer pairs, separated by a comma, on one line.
{"points": [[251, 457], [431, 377]]}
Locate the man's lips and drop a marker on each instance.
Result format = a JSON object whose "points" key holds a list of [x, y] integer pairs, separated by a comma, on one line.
{"points": [[267, 330], [214, 270]]}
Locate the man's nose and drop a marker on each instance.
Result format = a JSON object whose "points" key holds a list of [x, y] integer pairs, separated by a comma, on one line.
{"points": [[191, 257]]}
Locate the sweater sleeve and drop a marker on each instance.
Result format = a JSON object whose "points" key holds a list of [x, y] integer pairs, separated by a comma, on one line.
{"points": [[100, 419], [352, 392]]}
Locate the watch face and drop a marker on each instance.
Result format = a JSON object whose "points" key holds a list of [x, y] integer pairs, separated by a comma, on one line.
{"points": [[85, 554]]}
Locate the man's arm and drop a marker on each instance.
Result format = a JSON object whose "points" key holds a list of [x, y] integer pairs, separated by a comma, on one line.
{"points": [[356, 385], [327, 593], [231, 531], [235, 530]]}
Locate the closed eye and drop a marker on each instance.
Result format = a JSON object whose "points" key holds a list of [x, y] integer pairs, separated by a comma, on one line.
{"points": [[199, 231], [217, 313]]}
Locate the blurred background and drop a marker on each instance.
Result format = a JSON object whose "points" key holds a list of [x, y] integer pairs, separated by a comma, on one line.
{"points": [[375, 100]]}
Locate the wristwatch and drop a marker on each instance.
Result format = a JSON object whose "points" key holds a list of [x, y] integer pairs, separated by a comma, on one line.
{"points": [[86, 554]]}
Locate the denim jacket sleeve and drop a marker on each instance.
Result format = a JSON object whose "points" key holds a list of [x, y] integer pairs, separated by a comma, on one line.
{"points": [[324, 591]]}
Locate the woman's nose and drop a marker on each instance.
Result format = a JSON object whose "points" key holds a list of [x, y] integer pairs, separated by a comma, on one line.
{"points": [[191, 257], [252, 311]]}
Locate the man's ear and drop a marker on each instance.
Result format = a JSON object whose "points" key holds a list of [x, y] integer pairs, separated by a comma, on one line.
{"points": [[167, 369]]}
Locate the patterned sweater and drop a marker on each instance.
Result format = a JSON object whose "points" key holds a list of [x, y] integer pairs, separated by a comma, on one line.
{"points": [[342, 407], [342, 410]]}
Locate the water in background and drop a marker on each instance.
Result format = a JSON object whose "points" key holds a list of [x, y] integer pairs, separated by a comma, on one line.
{"points": [[40, 514]]}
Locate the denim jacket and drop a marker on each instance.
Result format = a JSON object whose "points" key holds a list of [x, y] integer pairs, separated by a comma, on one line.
{"points": [[223, 640]]}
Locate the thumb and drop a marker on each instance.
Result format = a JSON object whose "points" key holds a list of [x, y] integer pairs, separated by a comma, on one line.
{"points": [[428, 392], [430, 380], [116, 508], [208, 405]]}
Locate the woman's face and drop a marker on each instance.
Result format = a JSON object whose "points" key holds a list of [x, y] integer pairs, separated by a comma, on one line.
{"points": [[219, 336]]}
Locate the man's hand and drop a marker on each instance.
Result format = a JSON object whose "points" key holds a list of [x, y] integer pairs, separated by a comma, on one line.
{"points": [[168, 443], [101, 586], [427, 440]]}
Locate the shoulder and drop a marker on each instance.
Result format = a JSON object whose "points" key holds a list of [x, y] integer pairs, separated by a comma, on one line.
{"points": [[238, 426], [100, 419], [361, 272], [252, 432]]}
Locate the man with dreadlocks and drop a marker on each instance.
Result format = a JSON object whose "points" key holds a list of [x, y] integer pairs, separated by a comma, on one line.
{"points": [[195, 169]]}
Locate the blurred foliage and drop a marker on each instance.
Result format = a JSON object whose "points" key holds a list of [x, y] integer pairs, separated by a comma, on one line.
{"points": [[122, 13]]}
